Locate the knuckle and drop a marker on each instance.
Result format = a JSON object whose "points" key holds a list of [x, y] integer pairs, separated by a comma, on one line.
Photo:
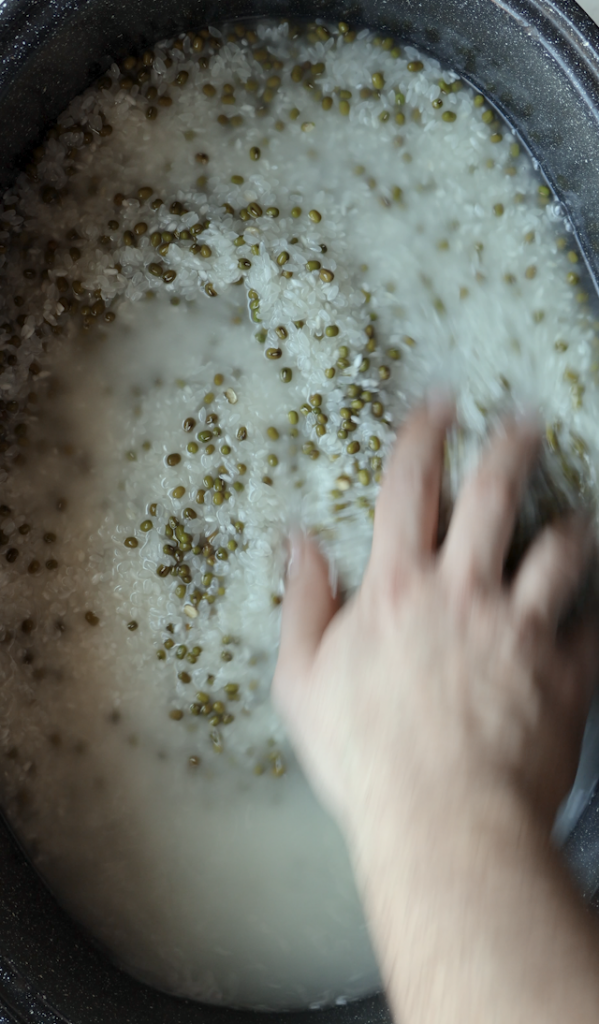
{"points": [[383, 590], [464, 583]]}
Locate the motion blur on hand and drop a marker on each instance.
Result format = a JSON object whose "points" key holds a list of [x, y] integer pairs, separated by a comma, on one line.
{"points": [[437, 669]]}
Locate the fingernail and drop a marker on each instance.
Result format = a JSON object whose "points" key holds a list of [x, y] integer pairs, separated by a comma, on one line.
{"points": [[297, 543], [440, 402]]}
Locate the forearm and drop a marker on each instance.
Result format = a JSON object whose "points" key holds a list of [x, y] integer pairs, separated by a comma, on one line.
{"points": [[433, 678], [475, 919]]}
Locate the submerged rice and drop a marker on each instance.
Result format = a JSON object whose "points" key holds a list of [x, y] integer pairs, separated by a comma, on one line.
{"points": [[297, 232]]}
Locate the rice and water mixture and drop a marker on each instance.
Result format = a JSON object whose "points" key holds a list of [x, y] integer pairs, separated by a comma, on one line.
{"points": [[234, 264]]}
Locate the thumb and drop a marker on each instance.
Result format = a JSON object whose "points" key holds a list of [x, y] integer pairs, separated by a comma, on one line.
{"points": [[308, 607]]}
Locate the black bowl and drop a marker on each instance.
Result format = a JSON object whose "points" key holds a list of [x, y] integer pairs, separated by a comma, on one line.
{"points": [[538, 62]]}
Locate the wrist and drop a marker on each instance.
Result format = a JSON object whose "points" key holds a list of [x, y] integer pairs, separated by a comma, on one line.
{"points": [[398, 824], [462, 893]]}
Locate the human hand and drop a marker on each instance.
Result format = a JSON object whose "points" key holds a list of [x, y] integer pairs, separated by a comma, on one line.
{"points": [[436, 670]]}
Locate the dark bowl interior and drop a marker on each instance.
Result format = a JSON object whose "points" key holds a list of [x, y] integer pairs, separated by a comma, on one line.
{"points": [[538, 61]]}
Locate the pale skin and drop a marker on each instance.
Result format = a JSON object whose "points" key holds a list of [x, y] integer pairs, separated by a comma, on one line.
{"points": [[439, 715]]}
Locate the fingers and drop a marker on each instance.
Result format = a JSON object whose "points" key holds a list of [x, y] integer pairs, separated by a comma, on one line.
{"points": [[407, 509], [484, 517], [308, 607], [552, 572]]}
